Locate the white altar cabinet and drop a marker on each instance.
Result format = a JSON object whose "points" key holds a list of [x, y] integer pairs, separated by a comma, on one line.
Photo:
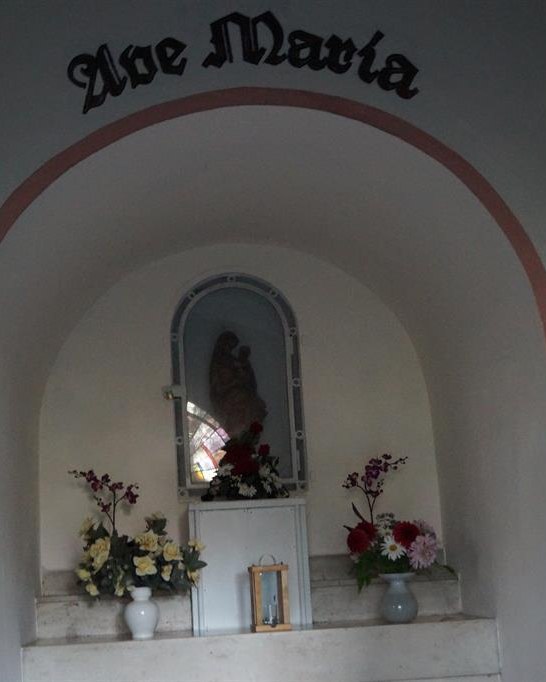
{"points": [[237, 534]]}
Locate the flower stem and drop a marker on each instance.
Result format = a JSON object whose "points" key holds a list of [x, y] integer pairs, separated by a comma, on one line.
{"points": [[114, 505]]}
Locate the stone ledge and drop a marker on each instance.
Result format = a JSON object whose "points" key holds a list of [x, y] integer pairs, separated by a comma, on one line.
{"points": [[81, 616], [333, 603], [427, 649], [334, 599], [73, 616]]}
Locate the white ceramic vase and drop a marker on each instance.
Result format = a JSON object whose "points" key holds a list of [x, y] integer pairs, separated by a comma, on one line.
{"points": [[398, 604], [142, 614]]}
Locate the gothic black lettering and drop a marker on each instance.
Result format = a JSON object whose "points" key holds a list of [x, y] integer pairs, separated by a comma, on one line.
{"points": [[305, 50], [139, 64], [248, 31], [368, 57], [398, 75], [255, 40], [99, 77], [277, 35], [340, 54], [168, 53]]}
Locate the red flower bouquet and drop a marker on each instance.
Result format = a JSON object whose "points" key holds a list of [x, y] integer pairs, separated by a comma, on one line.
{"points": [[247, 470], [381, 544]]}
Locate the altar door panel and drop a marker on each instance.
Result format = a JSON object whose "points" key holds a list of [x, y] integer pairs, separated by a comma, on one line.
{"points": [[235, 538]]}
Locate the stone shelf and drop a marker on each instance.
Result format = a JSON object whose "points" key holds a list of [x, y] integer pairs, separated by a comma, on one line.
{"points": [[73, 616], [441, 648], [334, 597]]}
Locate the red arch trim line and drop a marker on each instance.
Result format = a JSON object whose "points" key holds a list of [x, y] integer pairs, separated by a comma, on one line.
{"points": [[35, 184]]}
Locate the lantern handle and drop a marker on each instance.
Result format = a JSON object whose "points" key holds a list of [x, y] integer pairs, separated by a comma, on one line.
{"points": [[274, 561]]}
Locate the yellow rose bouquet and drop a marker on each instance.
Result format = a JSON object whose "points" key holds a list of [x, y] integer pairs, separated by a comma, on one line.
{"points": [[162, 564], [114, 564]]}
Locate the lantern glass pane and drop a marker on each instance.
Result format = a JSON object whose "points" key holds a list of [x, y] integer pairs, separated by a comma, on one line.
{"points": [[270, 598]]}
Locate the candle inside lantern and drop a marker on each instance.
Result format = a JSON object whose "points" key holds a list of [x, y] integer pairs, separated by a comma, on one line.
{"points": [[269, 598]]}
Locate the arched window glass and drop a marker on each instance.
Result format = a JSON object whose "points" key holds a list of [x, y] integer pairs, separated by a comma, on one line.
{"points": [[235, 360]]}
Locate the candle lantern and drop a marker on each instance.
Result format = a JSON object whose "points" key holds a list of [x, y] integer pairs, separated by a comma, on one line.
{"points": [[269, 593]]}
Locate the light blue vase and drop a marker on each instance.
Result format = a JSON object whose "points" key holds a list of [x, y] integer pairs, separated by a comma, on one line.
{"points": [[398, 604]]}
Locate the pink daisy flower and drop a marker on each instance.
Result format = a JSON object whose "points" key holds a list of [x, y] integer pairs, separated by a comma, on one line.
{"points": [[422, 552]]}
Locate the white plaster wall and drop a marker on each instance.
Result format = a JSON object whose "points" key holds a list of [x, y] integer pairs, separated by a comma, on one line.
{"points": [[488, 397], [20, 398], [18, 520], [364, 394]]}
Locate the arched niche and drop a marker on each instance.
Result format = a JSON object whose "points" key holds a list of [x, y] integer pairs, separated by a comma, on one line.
{"points": [[452, 299], [235, 360]]}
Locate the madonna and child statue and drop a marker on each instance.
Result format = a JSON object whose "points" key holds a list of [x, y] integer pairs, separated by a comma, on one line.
{"points": [[247, 469], [234, 395]]}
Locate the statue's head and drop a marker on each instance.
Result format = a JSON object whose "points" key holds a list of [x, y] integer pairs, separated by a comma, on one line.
{"points": [[244, 353], [227, 340]]}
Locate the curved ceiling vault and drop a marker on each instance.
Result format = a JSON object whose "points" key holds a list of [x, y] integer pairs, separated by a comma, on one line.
{"points": [[214, 168]]}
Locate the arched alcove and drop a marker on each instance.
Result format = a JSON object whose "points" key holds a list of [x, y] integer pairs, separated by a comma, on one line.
{"points": [[355, 402], [235, 360], [374, 207]]}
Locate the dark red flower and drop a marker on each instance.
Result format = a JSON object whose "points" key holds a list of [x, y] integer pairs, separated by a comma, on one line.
{"points": [[263, 450], [256, 427], [244, 466], [405, 533], [368, 528], [236, 452], [240, 456], [358, 541]]}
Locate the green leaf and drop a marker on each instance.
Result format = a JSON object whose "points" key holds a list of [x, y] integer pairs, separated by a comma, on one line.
{"points": [[357, 512], [101, 532]]}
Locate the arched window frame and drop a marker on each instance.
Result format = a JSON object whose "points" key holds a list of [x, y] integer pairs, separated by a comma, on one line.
{"points": [[177, 392]]}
